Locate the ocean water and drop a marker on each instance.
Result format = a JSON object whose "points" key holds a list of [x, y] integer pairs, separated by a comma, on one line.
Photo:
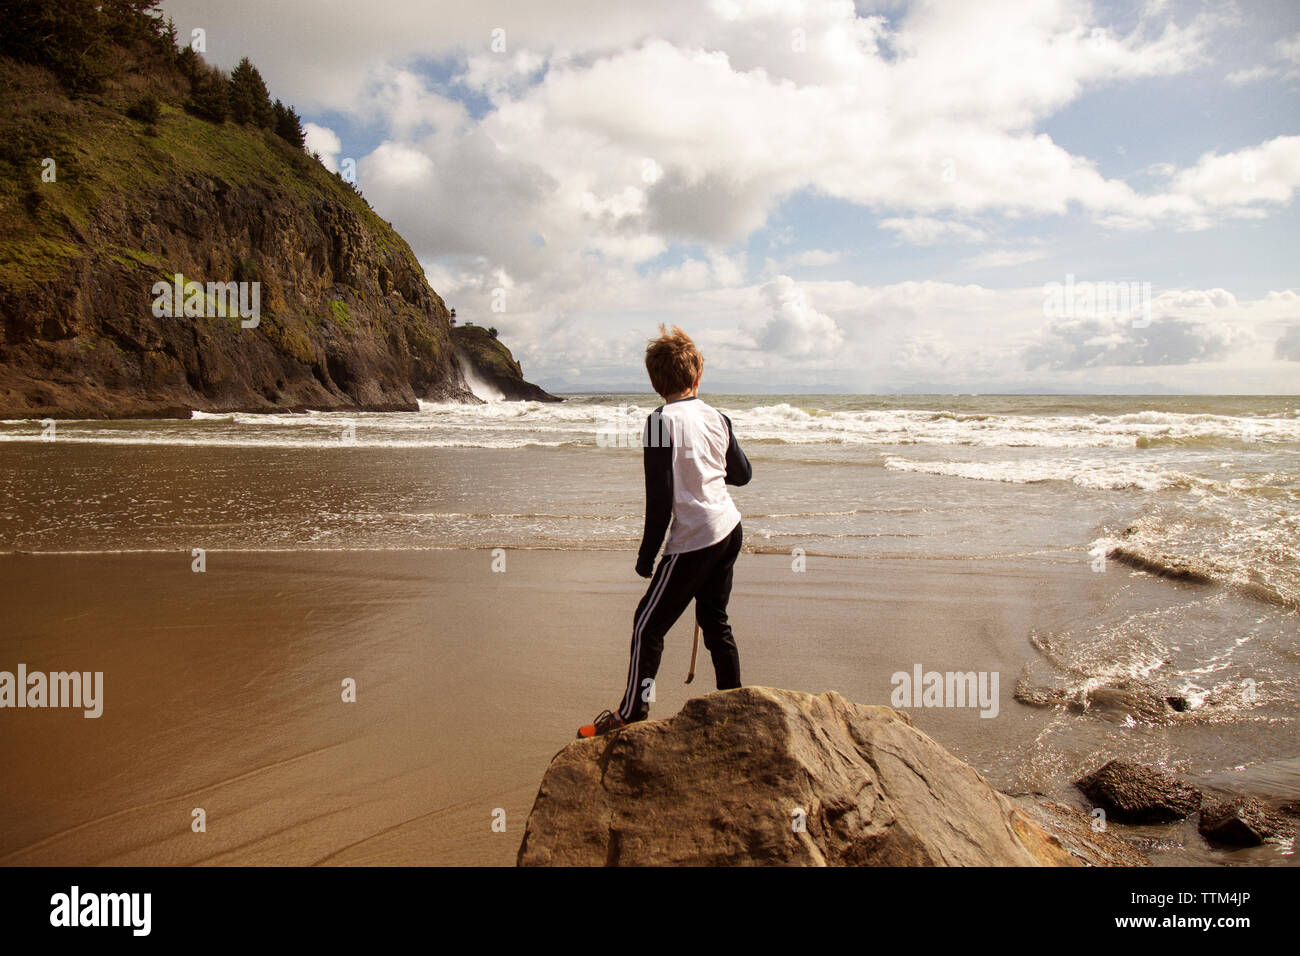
{"points": [[1207, 485], [1203, 491]]}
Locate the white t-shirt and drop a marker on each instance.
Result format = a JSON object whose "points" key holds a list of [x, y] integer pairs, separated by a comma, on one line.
{"points": [[703, 512]]}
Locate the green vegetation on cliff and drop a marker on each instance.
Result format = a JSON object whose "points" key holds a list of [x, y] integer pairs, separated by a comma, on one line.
{"points": [[112, 179]]}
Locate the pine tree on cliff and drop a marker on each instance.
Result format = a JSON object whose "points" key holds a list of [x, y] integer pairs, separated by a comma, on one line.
{"points": [[72, 38], [189, 63], [128, 20], [288, 125], [64, 35], [249, 100], [209, 93]]}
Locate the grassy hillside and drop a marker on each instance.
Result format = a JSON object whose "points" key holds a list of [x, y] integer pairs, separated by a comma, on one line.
{"points": [[105, 192]]}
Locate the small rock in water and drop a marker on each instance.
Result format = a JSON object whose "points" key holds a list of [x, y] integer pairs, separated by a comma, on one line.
{"points": [[1132, 793], [1243, 821]]}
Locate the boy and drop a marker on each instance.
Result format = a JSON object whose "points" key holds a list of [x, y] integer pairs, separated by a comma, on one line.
{"points": [[691, 456]]}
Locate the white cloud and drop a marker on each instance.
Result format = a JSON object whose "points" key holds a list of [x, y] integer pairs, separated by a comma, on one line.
{"points": [[1251, 74], [1286, 54], [1075, 343], [809, 258], [816, 257], [499, 76], [695, 273], [1191, 300], [924, 231], [1288, 48], [1003, 258], [406, 104], [398, 167], [795, 329], [964, 336], [325, 142], [736, 118], [1287, 347], [1268, 173]]}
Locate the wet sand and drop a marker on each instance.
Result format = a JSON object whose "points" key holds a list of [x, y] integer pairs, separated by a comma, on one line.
{"points": [[223, 690]]}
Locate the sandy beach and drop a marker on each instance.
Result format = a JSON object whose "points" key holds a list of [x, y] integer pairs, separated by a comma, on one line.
{"points": [[222, 689]]}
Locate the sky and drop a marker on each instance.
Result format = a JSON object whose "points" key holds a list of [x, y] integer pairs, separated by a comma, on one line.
{"points": [[828, 196]]}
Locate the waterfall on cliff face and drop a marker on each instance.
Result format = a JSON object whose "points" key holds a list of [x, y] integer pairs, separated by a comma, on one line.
{"points": [[480, 388]]}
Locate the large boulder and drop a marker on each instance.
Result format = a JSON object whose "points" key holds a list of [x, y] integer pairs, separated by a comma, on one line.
{"points": [[1243, 821], [764, 776], [1132, 793]]}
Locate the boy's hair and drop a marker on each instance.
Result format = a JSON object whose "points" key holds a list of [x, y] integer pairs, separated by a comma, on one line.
{"points": [[673, 361]]}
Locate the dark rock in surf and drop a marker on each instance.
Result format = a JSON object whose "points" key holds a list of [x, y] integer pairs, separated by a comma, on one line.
{"points": [[1127, 699], [1132, 793], [1117, 701], [1243, 821], [1162, 565]]}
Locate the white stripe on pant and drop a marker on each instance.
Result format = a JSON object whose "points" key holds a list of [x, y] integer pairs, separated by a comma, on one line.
{"points": [[628, 708]]}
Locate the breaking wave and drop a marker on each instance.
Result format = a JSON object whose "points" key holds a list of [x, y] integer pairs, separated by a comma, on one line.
{"points": [[1253, 551], [589, 419]]}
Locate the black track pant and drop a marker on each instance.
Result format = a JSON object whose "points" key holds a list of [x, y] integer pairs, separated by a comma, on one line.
{"points": [[705, 577]]}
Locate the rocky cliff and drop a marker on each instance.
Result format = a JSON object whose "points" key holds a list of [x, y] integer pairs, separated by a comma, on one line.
{"points": [[765, 776], [486, 360], [96, 207]]}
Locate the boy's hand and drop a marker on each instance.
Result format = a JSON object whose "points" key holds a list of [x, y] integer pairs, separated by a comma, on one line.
{"points": [[645, 568]]}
